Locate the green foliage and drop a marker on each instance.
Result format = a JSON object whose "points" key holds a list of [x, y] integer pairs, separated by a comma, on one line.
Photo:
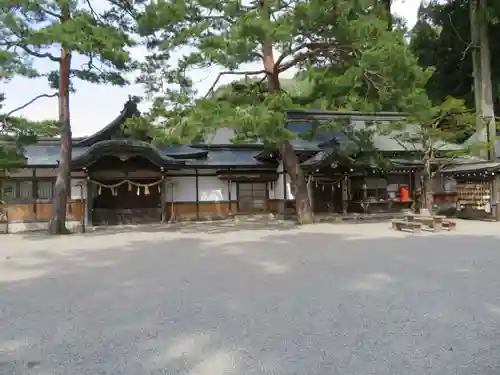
{"points": [[165, 126], [432, 131], [441, 38], [346, 57], [16, 133], [32, 30]]}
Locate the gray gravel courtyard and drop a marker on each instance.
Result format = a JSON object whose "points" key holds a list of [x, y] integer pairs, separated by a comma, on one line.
{"points": [[220, 300]]}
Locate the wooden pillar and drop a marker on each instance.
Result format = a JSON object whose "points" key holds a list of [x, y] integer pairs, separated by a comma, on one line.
{"points": [[86, 201], [172, 205], [163, 197], [197, 196], [495, 198], [70, 208], [267, 197], [229, 196], [83, 218], [410, 174], [34, 192], [90, 198]]}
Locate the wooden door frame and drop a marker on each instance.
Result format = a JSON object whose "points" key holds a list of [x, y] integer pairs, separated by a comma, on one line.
{"points": [[266, 184]]}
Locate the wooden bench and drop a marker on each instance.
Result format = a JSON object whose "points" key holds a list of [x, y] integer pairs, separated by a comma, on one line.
{"points": [[434, 222], [399, 225], [449, 225]]}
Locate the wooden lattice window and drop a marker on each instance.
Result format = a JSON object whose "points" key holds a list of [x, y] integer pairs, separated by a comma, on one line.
{"points": [[252, 197]]}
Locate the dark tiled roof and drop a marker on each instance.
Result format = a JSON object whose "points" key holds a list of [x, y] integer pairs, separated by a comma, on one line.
{"points": [[303, 145], [39, 154], [490, 166], [325, 157], [126, 146], [183, 151], [224, 158], [129, 110], [305, 128]]}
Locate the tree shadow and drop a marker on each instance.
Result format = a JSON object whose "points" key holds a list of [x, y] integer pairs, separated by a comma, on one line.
{"points": [[311, 300], [213, 227]]}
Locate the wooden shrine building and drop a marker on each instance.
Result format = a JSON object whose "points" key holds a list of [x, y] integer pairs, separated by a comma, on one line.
{"points": [[119, 180]]}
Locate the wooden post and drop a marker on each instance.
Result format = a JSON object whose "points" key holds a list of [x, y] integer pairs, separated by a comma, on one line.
{"points": [[229, 187], [494, 198], [34, 192], [163, 197], [84, 211], [197, 197]]}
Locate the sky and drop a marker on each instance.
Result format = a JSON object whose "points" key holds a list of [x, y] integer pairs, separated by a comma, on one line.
{"points": [[94, 106]]}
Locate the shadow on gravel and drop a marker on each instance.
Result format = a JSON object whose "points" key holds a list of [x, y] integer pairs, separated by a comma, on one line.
{"points": [[281, 303], [184, 227]]}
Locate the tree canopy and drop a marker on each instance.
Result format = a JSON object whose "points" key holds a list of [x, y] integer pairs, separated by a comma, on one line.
{"points": [[442, 39], [343, 49], [61, 32], [32, 30], [358, 64]]}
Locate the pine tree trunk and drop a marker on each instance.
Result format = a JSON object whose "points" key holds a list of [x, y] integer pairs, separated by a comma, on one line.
{"points": [[476, 64], [481, 61], [487, 108], [57, 223], [291, 163], [427, 195], [293, 169]]}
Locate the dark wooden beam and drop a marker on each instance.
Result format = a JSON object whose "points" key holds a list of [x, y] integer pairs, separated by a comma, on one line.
{"points": [[197, 196]]}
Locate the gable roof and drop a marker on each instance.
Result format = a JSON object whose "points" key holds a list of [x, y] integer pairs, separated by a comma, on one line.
{"points": [[129, 110]]}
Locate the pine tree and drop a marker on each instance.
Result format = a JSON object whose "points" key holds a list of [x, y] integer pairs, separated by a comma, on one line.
{"points": [[430, 132], [58, 32], [16, 133], [323, 37]]}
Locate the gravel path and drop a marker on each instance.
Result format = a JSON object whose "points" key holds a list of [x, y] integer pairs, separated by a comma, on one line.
{"points": [[325, 299]]}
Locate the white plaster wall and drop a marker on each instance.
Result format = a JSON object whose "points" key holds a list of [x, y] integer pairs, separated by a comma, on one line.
{"points": [[277, 190], [40, 172], [76, 190], [184, 189], [46, 172], [210, 189], [24, 172]]}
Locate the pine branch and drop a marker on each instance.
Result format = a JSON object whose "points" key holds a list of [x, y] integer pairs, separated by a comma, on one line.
{"points": [[50, 13], [10, 113], [313, 49], [246, 73], [29, 51]]}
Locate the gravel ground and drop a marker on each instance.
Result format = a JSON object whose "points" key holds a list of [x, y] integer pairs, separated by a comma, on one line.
{"points": [[223, 300]]}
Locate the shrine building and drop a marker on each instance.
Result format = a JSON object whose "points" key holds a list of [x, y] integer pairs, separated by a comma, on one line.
{"points": [[118, 180]]}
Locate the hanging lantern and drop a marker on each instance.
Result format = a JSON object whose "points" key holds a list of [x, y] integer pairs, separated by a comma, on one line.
{"points": [[99, 191], [129, 186], [138, 190], [159, 188], [146, 190]]}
